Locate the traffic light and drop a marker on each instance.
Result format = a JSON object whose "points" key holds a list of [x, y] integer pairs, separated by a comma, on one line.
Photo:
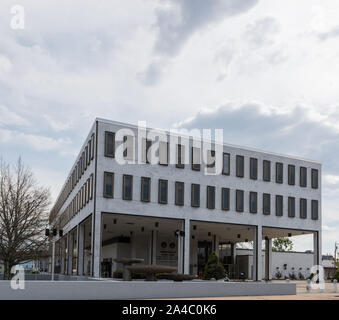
{"points": [[47, 232]]}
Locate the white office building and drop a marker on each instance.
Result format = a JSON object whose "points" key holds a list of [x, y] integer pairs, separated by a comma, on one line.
{"points": [[172, 199]]}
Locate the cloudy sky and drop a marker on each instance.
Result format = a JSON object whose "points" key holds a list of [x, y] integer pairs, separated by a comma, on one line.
{"points": [[265, 71]]}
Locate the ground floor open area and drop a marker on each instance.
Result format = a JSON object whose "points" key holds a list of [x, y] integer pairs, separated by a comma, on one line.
{"points": [[185, 245]]}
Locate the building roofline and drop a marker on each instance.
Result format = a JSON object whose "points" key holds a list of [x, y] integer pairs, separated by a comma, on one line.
{"points": [[133, 126]]}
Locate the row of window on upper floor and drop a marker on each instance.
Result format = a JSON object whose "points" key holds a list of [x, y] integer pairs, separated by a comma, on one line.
{"points": [[226, 168], [80, 200], [145, 191], [87, 155]]}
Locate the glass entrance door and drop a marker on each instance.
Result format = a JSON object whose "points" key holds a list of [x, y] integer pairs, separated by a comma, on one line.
{"points": [[204, 251]]}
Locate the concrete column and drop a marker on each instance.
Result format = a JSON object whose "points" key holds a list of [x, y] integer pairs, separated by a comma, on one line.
{"points": [[233, 253], [81, 243], [180, 250], [154, 246], [70, 254], [257, 253], [268, 259], [317, 259], [96, 251], [216, 244], [63, 253], [187, 246], [150, 247]]}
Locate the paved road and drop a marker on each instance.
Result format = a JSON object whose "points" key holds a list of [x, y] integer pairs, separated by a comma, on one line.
{"points": [[302, 294]]}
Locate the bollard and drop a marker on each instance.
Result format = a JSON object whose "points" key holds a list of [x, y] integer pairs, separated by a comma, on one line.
{"points": [[335, 285], [308, 286]]}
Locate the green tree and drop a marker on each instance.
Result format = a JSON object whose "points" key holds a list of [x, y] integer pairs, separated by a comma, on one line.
{"points": [[214, 268], [282, 244]]}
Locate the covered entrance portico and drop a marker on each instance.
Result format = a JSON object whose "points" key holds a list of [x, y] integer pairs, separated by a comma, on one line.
{"points": [[220, 238], [158, 241]]}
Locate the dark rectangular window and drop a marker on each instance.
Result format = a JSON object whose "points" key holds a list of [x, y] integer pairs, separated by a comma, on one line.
{"points": [[266, 204], [162, 192], [83, 162], [108, 184], [315, 183], [92, 147], [179, 193], [291, 207], [226, 164], [91, 187], [195, 158], [303, 177], [127, 187], [86, 157], [125, 147], [210, 158], [109, 144], [145, 189], [314, 209], [291, 174], [195, 195], [279, 172], [225, 199], [253, 202], [266, 170], [240, 166], [254, 168], [89, 153], [239, 200], [315, 178], [303, 208], [163, 153], [148, 155], [180, 156], [279, 206], [210, 197]]}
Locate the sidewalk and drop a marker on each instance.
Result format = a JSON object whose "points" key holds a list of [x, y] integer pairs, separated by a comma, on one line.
{"points": [[302, 294]]}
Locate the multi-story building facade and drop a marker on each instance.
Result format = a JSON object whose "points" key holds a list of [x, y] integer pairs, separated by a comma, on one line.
{"points": [[169, 199]]}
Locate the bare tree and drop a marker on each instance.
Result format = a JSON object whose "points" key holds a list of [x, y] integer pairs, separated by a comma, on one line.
{"points": [[23, 215]]}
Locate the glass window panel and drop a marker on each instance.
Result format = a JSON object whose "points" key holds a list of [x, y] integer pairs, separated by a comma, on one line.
{"points": [[254, 168], [279, 172], [240, 200], [291, 174], [279, 205], [225, 198], [226, 164], [266, 204], [240, 166], [253, 202]]}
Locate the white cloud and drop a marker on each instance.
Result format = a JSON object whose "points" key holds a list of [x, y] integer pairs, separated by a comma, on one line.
{"points": [[36, 142], [9, 117]]}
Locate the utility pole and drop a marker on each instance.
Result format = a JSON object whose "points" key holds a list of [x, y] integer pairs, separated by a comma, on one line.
{"points": [[336, 245], [52, 236]]}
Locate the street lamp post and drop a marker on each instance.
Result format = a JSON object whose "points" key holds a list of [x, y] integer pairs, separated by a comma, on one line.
{"points": [[52, 236], [53, 257]]}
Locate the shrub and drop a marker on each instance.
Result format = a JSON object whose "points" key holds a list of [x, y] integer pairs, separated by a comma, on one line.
{"points": [[213, 268], [34, 272], [310, 277], [278, 275], [301, 276], [336, 276], [117, 274], [292, 276]]}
